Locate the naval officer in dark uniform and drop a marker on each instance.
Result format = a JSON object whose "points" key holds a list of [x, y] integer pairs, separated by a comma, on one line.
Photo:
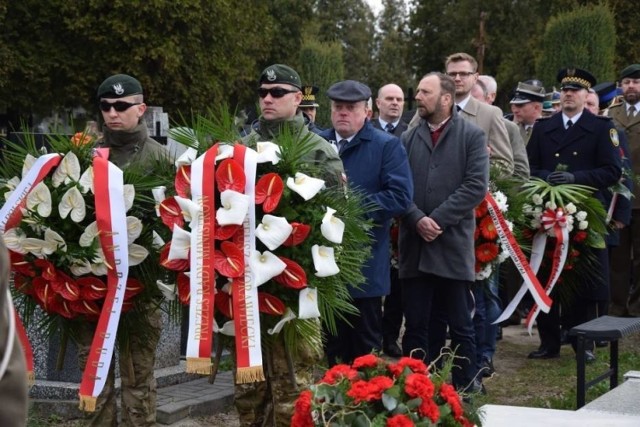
{"points": [[585, 146]]}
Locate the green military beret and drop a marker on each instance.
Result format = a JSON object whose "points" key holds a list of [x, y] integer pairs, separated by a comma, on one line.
{"points": [[280, 73], [632, 71], [119, 86]]}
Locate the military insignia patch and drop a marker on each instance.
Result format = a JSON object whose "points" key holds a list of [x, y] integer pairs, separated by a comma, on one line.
{"points": [[614, 137], [118, 89], [271, 75]]}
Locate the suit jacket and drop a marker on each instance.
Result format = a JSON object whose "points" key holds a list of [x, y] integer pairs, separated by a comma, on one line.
{"points": [[520, 159], [376, 163], [451, 179], [402, 126], [631, 126], [489, 119]]}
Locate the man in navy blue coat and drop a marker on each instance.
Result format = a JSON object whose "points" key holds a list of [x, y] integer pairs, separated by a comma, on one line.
{"points": [[375, 163], [575, 146]]}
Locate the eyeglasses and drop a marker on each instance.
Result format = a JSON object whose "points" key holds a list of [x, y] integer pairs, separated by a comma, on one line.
{"points": [[275, 92], [119, 106], [461, 74]]}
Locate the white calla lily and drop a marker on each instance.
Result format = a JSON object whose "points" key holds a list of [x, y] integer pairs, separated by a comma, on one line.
{"points": [[86, 181], [308, 303], [286, 317], [234, 208], [186, 158], [134, 229], [38, 247], [324, 261], [189, 208], [137, 254], [14, 240], [332, 228], [29, 161], [228, 328], [268, 152], [168, 291], [159, 195], [67, 171], [129, 193], [306, 186], [99, 265], [80, 267], [39, 199], [157, 240], [180, 244], [225, 151], [12, 184], [73, 203], [88, 235], [273, 231], [265, 266]]}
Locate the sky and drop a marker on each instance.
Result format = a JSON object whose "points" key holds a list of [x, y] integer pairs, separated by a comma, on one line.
{"points": [[376, 6]]}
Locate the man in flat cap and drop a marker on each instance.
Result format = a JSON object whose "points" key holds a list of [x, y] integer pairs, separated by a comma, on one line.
{"points": [[526, 106], [377, 165], [575, 146], [625, 259], [121, 101]]}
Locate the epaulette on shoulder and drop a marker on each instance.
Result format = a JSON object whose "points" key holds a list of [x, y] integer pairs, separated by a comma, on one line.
{"points": [[616, 104], [542, 119]]}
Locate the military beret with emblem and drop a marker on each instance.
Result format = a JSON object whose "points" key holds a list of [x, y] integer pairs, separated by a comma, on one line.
{"points": [[526, 92], [349, 91], [575, 78], [119, 86], [280, 73], [632, 72], [309, 93]]}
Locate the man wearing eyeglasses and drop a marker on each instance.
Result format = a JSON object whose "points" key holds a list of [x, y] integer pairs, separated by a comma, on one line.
{"points": [[122, 104]]}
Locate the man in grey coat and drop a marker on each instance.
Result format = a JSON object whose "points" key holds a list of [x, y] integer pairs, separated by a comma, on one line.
{"points": [[449, 160]]}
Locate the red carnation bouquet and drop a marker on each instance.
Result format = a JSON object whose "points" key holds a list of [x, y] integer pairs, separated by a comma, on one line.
{"points": [[375, 392]]}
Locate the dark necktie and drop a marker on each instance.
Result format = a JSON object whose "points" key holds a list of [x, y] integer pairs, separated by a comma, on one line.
{"points": [[458, 108], [569, 124], [389, 127], [631, 112], [341, 145]]}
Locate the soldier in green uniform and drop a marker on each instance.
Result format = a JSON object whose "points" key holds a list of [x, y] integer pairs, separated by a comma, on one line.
{"points": [[125, 134]]}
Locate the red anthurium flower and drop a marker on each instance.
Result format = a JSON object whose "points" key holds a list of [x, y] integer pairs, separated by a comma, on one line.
{"points": [[134, 287], [171, 213], [293, 275], [183, 181], [127, 306], [88, 308], [176, 264], [91, 288], [268, 191], [224, 304], [48, 270], [269, 304], [19, 265], [230, 176], [63, 308], [66, 287], [229, 260], [184, 288], [298, 234], [43, 292], [225, 232], [22, 284]]}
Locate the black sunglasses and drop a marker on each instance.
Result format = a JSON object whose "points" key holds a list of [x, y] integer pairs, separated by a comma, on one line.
{"points": [[275, 92], [119, 106]]}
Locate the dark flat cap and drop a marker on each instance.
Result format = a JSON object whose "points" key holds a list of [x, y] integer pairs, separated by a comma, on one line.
{"points": [[309, 93], [280, 73], [632, 71], [606, 91], [526, 92], [349, 91], [119, 86], [575, 78]]}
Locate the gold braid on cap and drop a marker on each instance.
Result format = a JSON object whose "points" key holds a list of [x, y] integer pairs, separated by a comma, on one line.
{"points": [[578, 80], [307, 94]]}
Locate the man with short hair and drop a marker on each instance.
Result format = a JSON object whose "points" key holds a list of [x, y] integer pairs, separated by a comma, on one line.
{"points": [[450, 165], [526, 106], [625, 258], [390, 103], [376, 164], [491, 87]]}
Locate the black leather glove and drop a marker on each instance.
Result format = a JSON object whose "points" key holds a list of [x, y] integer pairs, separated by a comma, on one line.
{"points": [[560, 177]]}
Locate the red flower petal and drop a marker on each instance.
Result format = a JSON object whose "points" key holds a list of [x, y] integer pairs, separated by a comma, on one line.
{"points": [[174, 265], [183, 181], [127, 306], [293, 276], [225, 232], [268, 191], [23, 284], [170, 213], [134, 287], [91, 288], [486, 252], [230, 176], [298, 234], [19, 265], [48, 269], [88, 308], [66, 287], [43, 293], [488, 228], [229, 260], [63, 308], [224, 304], [269, 304], [184, 288]]}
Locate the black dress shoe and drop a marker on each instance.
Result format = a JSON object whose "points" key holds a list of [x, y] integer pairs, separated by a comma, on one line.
{"points": [[487, 368], [392, 350], [589, 357], [543, 353]]}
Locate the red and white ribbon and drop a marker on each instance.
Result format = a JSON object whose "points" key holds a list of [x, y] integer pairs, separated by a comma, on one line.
{"points": [[245, 292], [11, 215], [203, 275], [531, 282], [112, 226]]}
